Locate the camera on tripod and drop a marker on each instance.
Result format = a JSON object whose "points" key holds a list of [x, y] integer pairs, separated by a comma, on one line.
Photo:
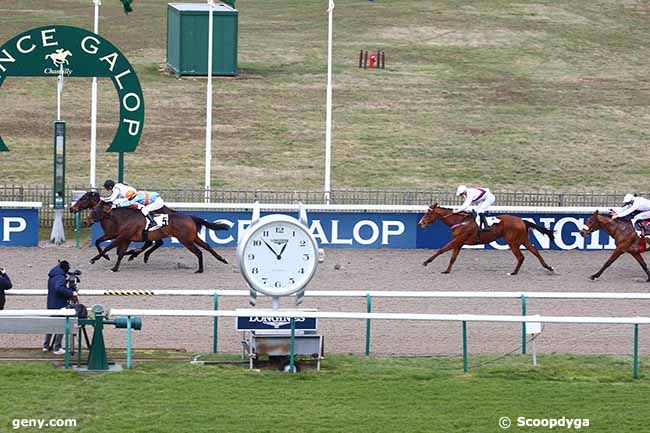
{"points": [[72, 279]]}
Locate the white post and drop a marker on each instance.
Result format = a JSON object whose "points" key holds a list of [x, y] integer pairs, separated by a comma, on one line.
{"points": [[208, 108], [93, 111], [328, 109], [534, 353], [59, 91]]}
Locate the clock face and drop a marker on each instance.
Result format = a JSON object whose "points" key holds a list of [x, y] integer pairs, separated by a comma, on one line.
{"points": [[279, 256]]}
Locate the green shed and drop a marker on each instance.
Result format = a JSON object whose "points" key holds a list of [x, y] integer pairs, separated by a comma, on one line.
{"points": [[187, 38]]}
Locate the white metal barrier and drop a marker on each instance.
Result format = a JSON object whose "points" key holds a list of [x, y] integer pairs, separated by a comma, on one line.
{"points": [[12, 318], [21, 204], [347, 293], [380, 208], [464, 318], [367, 294]]}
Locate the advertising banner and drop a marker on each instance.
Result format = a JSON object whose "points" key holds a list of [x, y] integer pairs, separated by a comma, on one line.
{"points": [[18, 227], [399, 230]]}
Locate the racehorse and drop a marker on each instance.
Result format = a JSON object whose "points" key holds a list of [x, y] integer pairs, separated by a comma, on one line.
{"points": [[130, 224], [91, 199], [464, 230], [626, 239]]}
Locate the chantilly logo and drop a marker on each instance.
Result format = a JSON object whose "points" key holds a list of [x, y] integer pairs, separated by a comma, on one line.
{"points": [[59, 58]]}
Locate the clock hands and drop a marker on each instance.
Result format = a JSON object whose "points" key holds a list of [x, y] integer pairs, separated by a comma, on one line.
{"points": [[282, 250], [277, 256]]}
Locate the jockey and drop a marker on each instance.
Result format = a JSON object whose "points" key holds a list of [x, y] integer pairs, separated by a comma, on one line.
{"points": [[481, 197], [146, 202], [632, 203], [118, 191]]}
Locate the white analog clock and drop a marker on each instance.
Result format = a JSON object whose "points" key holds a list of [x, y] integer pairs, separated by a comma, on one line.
{"points": [[278, 255]]}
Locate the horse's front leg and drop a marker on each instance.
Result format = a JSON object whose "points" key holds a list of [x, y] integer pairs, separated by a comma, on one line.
{"points": [[122, 245], [639, 259], [452, 244], [136, 252], [98, 242], [102, 252], [615, 255], [453, 259]]}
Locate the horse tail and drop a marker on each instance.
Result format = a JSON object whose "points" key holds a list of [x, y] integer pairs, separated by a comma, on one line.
{"points": [[212, 226], [547, 232]]}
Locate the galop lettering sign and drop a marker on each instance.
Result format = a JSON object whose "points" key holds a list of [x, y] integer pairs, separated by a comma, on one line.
{"points": [[42, 51]]}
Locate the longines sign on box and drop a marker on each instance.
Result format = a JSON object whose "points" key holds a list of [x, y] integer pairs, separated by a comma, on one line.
{"points": [[399, 230], [44, 51]]}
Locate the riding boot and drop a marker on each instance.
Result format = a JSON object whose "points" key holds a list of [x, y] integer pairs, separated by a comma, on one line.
{"points": [[152, 223], [484, 223]]}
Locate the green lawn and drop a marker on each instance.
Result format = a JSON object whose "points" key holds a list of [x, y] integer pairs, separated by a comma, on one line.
{"points": [[514, 95], [349, 394]]}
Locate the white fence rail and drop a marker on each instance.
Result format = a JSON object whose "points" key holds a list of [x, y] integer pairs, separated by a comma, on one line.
{"points": [[21, 204], [380, 208], [464, 318], [348, 294]]}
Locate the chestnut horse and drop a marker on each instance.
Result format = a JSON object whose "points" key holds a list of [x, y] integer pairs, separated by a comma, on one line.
{"points": [[626, 239], [130, 224], [464, 232], [91, 199]]}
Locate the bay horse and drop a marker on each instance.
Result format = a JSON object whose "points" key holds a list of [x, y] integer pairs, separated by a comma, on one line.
{"points": [[464, 232], [91, 199], [626, 239], [130, 224]]}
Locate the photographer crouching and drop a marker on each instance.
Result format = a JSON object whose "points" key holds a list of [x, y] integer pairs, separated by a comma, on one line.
{"points": [[61, 291], [5, 284]]}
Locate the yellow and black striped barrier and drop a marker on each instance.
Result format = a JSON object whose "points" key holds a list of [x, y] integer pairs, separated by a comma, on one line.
{"points": [[129, 293]]}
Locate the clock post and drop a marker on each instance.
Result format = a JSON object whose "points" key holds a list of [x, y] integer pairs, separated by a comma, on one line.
{"points": [[278, 256]]}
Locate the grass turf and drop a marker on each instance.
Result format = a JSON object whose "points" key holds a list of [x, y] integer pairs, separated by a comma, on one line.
{"points": [[514, 95], [350, 394]]}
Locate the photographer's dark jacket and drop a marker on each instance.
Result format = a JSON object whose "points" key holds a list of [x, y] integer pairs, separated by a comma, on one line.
{"points": [[58, 292], [5, 283]]}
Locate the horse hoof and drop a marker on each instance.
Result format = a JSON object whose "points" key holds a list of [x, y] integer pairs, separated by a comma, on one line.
{"points": [[445, 272], [91, 261], [511, 273], [114, 270], [200, 271], [425, 264], [224, 261], [146, 259], [593, 277], [131, 258]]}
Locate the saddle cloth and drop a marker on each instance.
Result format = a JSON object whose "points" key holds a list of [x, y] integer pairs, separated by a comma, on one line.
{"points": [[162, 220]]}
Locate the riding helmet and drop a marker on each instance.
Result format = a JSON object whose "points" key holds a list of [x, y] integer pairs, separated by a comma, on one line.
{"points": [[109, 184], [629, 198], [462, 189]]}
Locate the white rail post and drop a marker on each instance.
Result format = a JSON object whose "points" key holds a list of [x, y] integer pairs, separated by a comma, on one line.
{"points": [[93, 111], [208, 107], [328, 108]]}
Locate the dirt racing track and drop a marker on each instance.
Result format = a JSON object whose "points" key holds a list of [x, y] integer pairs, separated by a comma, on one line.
{"points": [[361, 270]]}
